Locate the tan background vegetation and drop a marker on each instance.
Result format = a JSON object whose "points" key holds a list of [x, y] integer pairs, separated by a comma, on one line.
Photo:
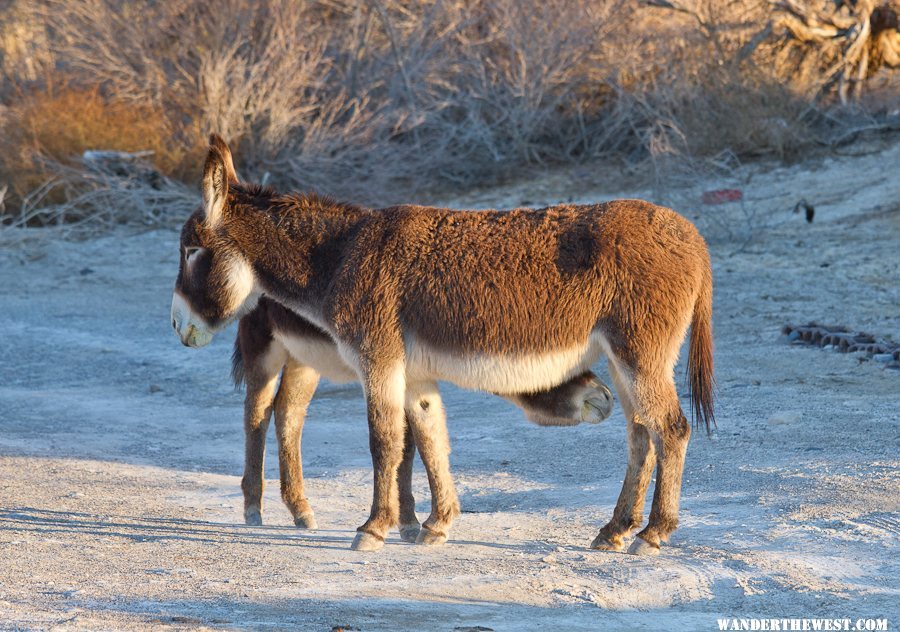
{"points": [[384, 100]]}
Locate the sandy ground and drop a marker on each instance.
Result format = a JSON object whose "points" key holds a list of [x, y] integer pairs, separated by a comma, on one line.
{"points": [[121, 452]]}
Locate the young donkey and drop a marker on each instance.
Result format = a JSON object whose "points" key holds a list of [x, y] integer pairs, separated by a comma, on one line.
{"points": [[272, 340], [506, 302]]}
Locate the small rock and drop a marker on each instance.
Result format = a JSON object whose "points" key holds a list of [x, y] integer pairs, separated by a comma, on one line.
{"points": [[85, 271], [155, 388]]}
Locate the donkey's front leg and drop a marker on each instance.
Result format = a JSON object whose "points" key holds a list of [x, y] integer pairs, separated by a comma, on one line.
{"points": [[426, 414], [298, 383], [385, 388]]}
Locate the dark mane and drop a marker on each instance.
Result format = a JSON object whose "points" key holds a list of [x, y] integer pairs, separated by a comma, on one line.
{"points": [[294, 200], [313, 200], [254, 190]]}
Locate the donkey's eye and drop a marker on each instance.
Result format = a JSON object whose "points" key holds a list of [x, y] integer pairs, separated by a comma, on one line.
{"points": [[190, 253]]}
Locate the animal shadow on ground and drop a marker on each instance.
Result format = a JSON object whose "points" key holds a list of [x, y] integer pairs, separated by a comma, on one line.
{"points": [[147, 529]]}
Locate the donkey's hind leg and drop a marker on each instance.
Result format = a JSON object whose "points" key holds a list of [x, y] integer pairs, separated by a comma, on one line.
{"points": [[409, 522], [657, 408], [261, 374], [425, 413], [629, 510], [298, 383], [671, 439]]}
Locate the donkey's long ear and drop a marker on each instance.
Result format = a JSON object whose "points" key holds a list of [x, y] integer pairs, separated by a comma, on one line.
{"points": [[215, 186], [219, 143]]}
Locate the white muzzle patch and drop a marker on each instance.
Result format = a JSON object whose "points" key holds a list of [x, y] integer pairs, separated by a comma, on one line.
{"points": [[193, 330]]}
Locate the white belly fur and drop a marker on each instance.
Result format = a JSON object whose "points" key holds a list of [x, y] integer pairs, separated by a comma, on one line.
{"points": [[502, 374], [320, 355]]}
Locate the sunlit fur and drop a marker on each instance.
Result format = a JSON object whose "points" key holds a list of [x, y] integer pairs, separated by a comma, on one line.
{"points": [[272, 340], [489, 291]]}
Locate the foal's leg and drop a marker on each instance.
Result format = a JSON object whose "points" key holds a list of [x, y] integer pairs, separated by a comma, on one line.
{"points": [[385, 387], [298, 383], [409, 522], [260, 376], [426, 415], [629, 510]]}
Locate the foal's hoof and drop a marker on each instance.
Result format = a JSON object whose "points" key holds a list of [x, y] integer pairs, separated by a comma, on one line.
{"points": [[598, 406], [641, 547], [430, 538], [366, 542], [603, 543], [409, 532], [253, 519], [306, 521]]}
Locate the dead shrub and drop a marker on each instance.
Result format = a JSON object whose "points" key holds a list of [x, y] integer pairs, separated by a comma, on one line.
{"points": [[56, 125], [383, 101]]}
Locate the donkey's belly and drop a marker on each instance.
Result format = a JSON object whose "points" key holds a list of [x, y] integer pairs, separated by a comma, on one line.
{"points": [[502, 373], [321, 355]]}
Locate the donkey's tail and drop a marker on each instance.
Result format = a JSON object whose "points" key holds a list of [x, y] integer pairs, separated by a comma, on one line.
{"points": [[700, 356], [237, 364]]}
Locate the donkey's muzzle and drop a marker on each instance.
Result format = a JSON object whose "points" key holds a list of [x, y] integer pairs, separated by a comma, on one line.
{"points": [[192, 331], [598, 405]]}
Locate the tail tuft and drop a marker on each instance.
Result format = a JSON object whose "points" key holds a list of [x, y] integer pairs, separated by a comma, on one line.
{"points": [[700, 358]]}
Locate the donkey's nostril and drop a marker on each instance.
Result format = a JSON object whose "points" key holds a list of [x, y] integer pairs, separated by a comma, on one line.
{"points": [[174, 324]]}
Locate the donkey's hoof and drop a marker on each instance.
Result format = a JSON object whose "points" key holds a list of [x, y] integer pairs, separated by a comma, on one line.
{"points": [[253, 519], [604, 543], [641, 547], [367, 542], [409, 532], [430, 538], [306, 521]]}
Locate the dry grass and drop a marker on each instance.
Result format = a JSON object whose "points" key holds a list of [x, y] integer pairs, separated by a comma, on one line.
{"points": [[383, 101], [54, 126]]}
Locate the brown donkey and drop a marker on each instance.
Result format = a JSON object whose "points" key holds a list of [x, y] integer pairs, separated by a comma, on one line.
{"points": [[507, 302], [272, 340]]}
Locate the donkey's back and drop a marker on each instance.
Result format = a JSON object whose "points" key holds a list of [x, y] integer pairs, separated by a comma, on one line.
{"points": [[528, 298]]}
